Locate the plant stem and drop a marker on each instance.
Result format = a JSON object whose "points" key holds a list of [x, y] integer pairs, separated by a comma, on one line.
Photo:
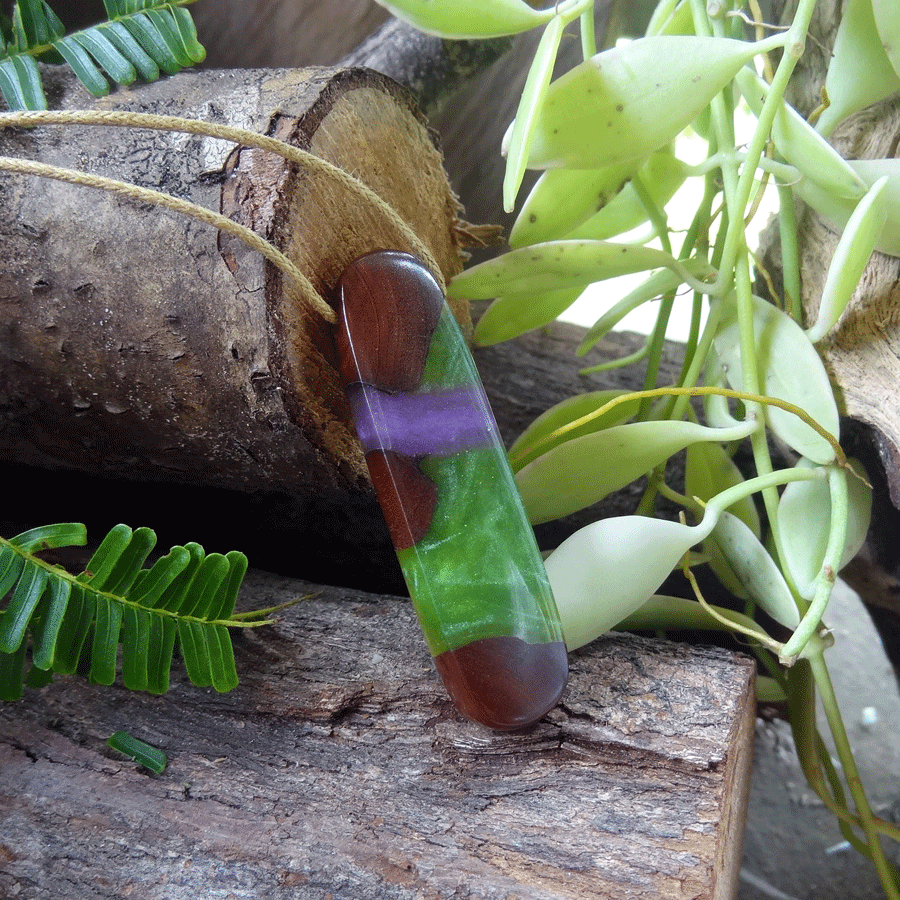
{"points": [[848, 763], [837, 538]]}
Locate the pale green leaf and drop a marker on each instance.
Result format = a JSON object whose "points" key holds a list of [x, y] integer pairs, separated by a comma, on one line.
{"points": [[790, 370]]}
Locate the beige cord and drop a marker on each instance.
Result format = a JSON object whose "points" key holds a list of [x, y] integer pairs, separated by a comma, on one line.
{"points": [[127, 119], [157, 198]]}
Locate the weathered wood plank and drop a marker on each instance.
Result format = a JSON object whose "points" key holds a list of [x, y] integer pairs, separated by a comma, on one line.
{"points": [[338, 768]]}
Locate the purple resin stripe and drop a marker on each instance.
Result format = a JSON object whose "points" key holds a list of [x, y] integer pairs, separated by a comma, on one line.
{"points": [[437, 423]]}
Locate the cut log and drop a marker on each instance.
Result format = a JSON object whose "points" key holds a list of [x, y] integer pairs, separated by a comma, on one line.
{"points": [[133, 347], [338, 768]]}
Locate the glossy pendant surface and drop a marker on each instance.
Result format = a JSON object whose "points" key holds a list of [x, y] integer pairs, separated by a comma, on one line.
{"points": [[441, 475]]}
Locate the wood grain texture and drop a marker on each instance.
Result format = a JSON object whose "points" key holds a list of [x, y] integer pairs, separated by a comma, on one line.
{"points": [[338, 768]]}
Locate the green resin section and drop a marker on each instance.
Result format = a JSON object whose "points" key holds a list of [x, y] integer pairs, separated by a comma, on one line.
{"points": [[477, 573]]}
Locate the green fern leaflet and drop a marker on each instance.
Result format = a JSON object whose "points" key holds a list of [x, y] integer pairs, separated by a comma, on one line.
{"points": [[76, 623], [142, 38]]}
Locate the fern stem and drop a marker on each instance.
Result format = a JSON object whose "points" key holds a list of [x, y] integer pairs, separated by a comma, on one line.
{"points": [[175, 204], [241, 136]]}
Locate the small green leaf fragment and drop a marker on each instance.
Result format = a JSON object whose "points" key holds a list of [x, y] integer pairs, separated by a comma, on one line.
{"points": [[147, 755]]}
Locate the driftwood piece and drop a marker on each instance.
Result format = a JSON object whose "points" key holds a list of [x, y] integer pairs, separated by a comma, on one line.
{"points": [[339, 769]]}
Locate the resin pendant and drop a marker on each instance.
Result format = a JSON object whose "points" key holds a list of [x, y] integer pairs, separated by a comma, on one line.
{"points": [[442, 478]]}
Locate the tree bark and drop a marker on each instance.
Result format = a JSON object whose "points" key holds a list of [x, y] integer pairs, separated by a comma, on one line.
{"points": [[339, 769]]}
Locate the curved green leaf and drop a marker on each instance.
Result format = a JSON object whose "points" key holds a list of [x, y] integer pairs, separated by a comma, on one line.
{"points": [[73, 631], [790, 370], [221, 655], [755, 569], [165, 25], [47, 537], [194, 652], [11, 565], [160, 649], [628, 101], [143, 30], [555, 266], [18, 614], [150, 585], [177, 591], [121, 38], [107, 624], [20, 83], [129, 563], [514, 314], [205, 585], [608, 569], [35, 23], [465, 19], [579, 472], [96, 42], [544, 432], [533, 93], [187, 31], [135, 647], [222, 606], [46, 634]]}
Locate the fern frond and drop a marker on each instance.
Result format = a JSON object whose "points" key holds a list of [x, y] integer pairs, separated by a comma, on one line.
{"points": [[141, 38], [77, 623]]}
